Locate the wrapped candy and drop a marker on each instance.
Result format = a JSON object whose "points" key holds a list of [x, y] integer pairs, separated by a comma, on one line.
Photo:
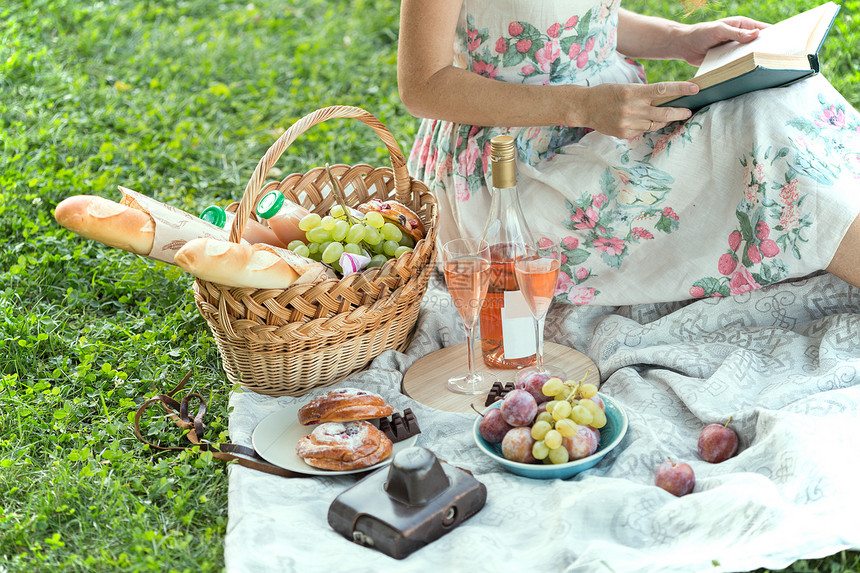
{"points": [[353, 263]]}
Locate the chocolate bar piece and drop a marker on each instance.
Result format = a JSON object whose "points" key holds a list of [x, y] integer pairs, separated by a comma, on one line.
{"points": [[399, 427], [497, 392]]}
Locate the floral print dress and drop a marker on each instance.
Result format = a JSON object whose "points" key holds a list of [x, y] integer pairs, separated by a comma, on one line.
{"points": [[747, 192]]}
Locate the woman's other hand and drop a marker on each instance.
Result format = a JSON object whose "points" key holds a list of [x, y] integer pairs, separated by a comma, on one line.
{"points": [[627, 110], [695, 40]]}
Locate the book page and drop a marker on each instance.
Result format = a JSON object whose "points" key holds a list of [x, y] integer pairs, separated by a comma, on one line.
{"points": [[789, 37]]}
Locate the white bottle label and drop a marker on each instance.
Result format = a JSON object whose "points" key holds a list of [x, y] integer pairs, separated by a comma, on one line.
{"points": [[518, 331]]}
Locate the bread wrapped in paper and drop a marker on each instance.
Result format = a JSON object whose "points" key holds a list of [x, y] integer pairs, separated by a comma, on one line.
{"points": [[247, 266], [138, 224]]}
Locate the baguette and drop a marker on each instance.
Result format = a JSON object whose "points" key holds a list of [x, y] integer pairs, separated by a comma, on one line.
{"points": [[246, 266], [107, 222]]}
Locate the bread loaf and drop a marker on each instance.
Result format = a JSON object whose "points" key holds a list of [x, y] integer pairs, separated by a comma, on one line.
{"points": [[107, 222], [246, 266]]}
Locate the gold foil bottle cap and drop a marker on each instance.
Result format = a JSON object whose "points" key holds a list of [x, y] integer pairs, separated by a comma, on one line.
{"points": [[502, 148], [504, 167]]}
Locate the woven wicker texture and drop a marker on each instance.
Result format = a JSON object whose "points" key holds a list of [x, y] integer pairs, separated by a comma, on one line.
{"points": [[288, 341]]}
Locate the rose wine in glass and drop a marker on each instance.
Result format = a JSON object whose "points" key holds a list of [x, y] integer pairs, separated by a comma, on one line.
{"points": [[537, 276], [466, 264]]}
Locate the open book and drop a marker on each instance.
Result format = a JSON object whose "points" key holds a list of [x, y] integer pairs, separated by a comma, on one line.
{"points": [[782, 53]]}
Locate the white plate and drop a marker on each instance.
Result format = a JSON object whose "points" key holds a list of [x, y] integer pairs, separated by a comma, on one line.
{"points": [[276, 436]]}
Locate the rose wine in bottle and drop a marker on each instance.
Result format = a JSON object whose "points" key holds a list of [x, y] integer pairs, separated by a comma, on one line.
{"points": [[507, 328]]}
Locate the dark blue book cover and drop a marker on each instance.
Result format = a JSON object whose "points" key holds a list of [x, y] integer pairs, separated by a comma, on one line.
{"points": [[755, 75]]}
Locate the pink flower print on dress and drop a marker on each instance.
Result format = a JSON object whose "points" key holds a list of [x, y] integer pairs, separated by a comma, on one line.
{"points": [[474, 40], [571, 22], [524, 46], [831, 117], [515, 28], [485, 158], [641, 233], [570, 243], [727, 264], [485, 69], [742, 281], [598, 200], [582, 273], [580, 295], [753, 254], [546, 55], [762, 231], [612, 247], [697, 292], [563, 258], [425, 149], [501, 45], [431, 161], [734, 240], [573, 51], [751, 194], [564, 283], [788, 194], [582, 60], [769, 248], [788, 219], [669, 212], [461, 189], [660, 145], [554, 31], [532, 133], [468, 158], [584, 219], [544, 243], [527, 70]]}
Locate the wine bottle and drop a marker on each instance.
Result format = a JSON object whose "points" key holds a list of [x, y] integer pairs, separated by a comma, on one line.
{"points": [[507, 331]]}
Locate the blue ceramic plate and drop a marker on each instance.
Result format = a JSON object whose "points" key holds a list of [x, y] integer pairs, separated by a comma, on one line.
{"points": [[610, 436]]}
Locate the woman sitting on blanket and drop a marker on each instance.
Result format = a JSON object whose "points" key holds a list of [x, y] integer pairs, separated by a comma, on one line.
{"points": [[653, 204]]}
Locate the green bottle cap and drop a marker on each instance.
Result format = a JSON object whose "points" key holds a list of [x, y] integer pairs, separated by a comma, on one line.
{"points": [[270, 204], [215, 215]]}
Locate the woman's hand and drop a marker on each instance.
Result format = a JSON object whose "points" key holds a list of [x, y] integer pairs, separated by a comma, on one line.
{"points": [[626, 110], [695, 40]]}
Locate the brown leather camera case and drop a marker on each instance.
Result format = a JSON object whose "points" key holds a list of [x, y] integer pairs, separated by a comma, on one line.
{"points": [[401, 508]]}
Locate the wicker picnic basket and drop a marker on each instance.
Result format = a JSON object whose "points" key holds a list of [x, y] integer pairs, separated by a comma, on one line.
{"points": [[289, 341]]}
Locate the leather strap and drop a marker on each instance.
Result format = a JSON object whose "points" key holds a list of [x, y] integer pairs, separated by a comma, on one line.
{"points": [[178, 411]]}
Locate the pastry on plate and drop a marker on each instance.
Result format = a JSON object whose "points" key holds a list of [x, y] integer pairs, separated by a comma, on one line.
{"points": [[344, 446], [344, 405]]}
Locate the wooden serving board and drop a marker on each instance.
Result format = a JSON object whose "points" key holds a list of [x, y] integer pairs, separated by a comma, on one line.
{"points": [[425, 380]]}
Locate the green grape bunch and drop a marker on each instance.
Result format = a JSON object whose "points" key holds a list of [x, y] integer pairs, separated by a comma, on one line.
{"points": [[330, 236], [562, 428]]}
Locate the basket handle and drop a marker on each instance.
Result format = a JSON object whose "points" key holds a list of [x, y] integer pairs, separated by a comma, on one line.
{"points": [[402, 182]]}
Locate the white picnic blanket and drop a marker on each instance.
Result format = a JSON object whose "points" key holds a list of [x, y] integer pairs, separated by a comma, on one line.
{"points": [[784, 362]]}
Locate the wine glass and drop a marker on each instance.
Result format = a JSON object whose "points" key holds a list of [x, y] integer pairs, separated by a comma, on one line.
{"points": [[466, 264], [537, 275]]}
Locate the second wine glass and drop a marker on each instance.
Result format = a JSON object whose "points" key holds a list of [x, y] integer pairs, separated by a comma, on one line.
{"points": [[466, 263], [537, 276]]}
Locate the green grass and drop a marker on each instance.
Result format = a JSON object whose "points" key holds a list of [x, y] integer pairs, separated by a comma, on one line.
{"points": [[178, 100]]}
